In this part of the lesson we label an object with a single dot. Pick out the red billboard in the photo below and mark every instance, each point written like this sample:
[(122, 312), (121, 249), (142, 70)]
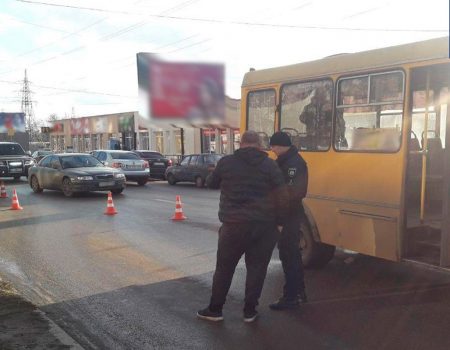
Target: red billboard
[(182, 93)]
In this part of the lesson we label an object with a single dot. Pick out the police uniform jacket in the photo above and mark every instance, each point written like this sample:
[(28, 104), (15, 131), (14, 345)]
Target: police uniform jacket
[(295, 172)]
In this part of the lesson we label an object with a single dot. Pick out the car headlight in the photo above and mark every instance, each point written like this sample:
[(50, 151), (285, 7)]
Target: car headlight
[(29, 162), (119, 176), (83, 178)]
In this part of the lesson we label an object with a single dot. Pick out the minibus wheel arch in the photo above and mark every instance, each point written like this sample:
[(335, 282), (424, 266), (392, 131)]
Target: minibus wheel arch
[(315, 254)]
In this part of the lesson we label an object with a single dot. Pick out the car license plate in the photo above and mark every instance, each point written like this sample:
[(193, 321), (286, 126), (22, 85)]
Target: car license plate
[(15, 170), (106, 184), (157, 163), (132, 167)]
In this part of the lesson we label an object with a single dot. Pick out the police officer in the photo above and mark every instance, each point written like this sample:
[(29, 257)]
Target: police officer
[(295, 173)]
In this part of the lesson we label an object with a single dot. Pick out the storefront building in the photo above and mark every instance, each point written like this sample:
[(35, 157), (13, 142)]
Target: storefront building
[(128, 131)]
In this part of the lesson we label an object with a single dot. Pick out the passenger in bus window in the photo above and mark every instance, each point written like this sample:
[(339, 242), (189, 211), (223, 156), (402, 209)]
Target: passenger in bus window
[(316, 116), (295, 172)]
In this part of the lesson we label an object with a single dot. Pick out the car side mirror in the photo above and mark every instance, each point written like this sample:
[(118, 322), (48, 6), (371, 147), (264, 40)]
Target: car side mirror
[(28, 153)]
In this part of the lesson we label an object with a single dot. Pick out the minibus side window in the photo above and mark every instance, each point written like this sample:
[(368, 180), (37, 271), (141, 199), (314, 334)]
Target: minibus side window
[(306, 111), (261, 106), (369, 113)]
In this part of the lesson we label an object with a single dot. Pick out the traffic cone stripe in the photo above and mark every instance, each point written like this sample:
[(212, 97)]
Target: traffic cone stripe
[(3, 193), (15, 202), (110, 210)]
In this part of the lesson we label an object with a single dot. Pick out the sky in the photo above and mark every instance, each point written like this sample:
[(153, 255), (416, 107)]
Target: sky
[(80, 55)]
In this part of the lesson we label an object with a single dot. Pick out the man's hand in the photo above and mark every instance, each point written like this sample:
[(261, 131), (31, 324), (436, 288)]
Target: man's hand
[(280, 228)]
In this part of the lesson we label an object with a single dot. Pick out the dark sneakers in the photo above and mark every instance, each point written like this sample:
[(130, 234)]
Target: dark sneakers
[(207, 314), (250, 315), (285, 304)]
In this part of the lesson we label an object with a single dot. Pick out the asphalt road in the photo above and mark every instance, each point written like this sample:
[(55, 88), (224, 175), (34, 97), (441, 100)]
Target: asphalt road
[(136, 280)]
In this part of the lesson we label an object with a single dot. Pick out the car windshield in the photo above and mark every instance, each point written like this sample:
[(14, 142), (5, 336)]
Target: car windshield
[(151, 155), (44, 153), (11, 150), (212, 158), (79, 161), (124, 155)]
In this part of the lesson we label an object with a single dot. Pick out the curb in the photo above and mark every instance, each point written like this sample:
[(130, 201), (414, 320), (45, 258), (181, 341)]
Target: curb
[(59, 333)]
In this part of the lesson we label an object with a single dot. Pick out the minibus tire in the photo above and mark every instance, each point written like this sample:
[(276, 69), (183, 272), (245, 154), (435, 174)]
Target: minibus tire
[(315, 254)]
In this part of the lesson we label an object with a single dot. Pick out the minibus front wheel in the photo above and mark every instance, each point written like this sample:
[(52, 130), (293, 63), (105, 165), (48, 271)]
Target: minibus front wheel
[(314, 254)]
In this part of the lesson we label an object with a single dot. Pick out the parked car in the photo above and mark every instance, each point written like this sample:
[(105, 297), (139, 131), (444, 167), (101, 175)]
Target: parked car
[(157, 162), (38, 155), (134, 168), (193, 168), (14, 161), (74, 172)]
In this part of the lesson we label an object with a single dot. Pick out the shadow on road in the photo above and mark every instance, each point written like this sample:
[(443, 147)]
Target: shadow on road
[(369, 304), (38, 220)]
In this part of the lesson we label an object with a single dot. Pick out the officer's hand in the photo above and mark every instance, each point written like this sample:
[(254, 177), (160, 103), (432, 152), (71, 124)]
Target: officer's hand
[(280, 228)]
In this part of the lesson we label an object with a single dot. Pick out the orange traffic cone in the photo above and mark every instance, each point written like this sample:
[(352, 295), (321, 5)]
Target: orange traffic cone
[(3, 193), (110, 210), (15, 202), (178, 216)]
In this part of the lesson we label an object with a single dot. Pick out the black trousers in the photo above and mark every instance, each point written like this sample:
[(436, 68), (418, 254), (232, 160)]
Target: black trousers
[(291, 257), (254, 239)]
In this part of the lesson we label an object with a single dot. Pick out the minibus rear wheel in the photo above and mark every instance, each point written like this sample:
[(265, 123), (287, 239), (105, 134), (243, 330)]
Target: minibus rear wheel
[(314, 254)]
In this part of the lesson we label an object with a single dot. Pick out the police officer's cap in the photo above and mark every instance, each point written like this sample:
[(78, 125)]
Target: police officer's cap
[(280, 138)]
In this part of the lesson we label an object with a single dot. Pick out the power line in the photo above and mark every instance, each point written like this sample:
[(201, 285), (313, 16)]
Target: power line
[(38, 25), (218, 21), (190, 45), (103, 38), (70, 90), (62, 38)]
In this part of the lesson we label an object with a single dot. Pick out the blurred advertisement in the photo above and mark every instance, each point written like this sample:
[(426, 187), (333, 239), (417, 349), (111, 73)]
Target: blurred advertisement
[(181, 94), (79, 126), (57, 127), (126, 124), (12, 121)]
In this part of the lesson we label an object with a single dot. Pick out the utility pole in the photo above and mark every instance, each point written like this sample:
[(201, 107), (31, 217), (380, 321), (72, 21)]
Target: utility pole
[(27, 109), (182, 142)]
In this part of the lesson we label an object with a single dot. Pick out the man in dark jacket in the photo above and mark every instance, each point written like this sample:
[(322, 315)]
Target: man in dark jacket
[(295, 172), (251, 202)]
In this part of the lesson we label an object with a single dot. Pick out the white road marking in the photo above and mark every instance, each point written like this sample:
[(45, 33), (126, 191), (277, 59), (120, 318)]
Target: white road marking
[(163, 200)]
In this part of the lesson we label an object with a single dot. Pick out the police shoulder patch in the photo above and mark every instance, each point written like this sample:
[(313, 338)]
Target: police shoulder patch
[(292, 172)]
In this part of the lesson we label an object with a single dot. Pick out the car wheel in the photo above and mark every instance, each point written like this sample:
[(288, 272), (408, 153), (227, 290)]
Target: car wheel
[(117, 191), (171, 179), (35, 185), (142, 182), (199, 182), (67, 187)]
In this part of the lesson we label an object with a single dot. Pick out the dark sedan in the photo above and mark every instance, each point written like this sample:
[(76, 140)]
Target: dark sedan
[(71, 173), (157, 162), (193, 168)]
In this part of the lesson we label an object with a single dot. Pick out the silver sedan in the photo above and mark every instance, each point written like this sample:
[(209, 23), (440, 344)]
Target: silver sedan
[(134, 168)]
